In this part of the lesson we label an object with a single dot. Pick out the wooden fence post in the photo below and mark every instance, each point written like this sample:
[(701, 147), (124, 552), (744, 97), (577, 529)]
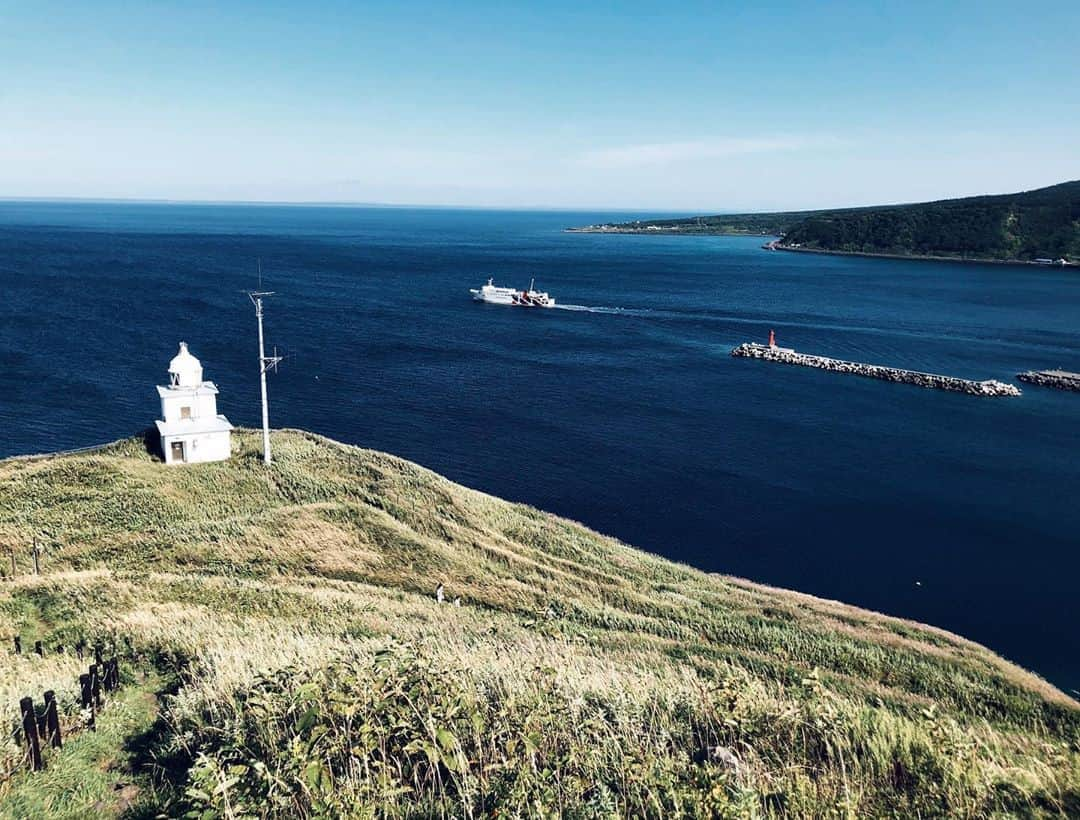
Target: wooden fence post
[(95, 685), (30, 730), (38, 649), (18, 645), (86, 697), (52, 720), (37, 565)]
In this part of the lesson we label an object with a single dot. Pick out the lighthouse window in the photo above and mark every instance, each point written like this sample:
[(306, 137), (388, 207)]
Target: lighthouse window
[(185, 412)]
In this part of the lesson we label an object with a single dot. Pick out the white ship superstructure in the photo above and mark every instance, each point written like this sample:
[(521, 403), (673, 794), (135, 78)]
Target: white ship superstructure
[(495, 295)]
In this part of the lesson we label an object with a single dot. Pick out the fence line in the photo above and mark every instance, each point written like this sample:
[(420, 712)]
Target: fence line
[(102, 676), (36, 553), (75, 451)]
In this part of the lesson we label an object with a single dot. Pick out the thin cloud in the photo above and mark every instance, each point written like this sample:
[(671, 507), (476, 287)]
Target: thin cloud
[(665, 153)]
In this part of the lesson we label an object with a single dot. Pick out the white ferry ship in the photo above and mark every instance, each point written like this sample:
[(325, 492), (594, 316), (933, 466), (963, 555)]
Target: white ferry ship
[(509, 296)]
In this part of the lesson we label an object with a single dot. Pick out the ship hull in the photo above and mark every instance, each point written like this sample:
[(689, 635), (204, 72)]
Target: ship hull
[(514, 298)]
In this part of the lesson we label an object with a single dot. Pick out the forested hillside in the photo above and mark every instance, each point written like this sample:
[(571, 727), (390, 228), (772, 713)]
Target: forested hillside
[(1040, 224), (1025, 226)]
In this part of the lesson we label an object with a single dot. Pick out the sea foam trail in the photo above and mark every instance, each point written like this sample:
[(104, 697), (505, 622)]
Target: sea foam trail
[(600, 309)]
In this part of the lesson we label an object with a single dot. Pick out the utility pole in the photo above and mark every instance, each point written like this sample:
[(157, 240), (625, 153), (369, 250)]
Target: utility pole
[(265, 363)]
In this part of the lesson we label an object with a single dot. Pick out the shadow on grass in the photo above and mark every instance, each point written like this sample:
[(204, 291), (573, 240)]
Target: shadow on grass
[(152, 442)]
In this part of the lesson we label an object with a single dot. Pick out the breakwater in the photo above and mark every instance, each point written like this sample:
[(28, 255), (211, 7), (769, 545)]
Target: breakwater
[(786, 355), (1058, 379)]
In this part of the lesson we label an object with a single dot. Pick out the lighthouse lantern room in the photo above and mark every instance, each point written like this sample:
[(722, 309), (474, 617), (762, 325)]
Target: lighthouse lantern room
[(191, 430)]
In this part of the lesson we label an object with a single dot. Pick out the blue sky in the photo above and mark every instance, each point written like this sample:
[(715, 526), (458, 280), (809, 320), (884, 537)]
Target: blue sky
[(648, 106)]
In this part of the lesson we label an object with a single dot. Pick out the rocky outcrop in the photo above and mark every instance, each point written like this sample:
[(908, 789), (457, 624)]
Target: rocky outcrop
[(1058, 379), (786, 355)]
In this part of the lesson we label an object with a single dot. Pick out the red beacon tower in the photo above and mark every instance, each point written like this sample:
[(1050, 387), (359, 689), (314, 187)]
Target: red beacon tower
[(772, 338)]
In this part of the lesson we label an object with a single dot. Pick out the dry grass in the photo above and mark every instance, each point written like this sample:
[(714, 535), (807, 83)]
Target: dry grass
[(578, 672)]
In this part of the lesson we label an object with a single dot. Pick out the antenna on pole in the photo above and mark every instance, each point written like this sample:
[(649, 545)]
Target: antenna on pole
[(265, 362)]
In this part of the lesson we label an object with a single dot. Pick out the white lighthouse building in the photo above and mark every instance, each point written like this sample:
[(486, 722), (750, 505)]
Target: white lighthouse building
[(192, 430)]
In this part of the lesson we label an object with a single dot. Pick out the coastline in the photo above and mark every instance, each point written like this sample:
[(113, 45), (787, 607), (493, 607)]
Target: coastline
[(978, 260), (776, 246), (665, 232)]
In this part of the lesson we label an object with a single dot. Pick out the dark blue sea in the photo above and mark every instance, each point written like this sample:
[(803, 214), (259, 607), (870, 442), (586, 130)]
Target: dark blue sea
[(626, 413)]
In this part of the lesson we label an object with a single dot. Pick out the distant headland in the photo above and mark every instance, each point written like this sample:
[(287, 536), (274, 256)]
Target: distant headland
[(1032, 227)]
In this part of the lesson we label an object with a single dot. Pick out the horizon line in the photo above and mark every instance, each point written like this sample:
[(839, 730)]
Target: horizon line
[(526, 208), (349, 204)]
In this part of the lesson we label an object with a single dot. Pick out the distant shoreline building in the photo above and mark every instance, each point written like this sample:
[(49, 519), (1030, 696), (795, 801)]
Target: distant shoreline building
[(192, 430)]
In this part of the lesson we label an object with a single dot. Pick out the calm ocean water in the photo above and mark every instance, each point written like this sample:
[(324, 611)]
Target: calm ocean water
[(630, 416)]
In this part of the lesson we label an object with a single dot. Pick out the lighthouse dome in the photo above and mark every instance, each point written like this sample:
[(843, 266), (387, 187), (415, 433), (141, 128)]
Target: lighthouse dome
[(184, 369)]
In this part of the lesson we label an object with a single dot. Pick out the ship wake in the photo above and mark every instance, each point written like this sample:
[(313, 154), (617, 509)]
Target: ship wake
[(602, 309)]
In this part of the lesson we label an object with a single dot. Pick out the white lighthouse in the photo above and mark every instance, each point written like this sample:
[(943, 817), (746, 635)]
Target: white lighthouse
[(192, 430)]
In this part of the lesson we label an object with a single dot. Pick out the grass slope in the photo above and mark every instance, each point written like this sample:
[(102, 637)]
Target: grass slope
[(92, 775), (578, 677)]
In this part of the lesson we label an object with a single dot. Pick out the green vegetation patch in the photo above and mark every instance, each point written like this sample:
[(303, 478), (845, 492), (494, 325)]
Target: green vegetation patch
[(565, 673), (1039, 224)]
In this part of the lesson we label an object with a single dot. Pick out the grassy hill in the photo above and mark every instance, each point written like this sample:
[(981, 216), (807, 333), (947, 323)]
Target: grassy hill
[(1044, 223), (315, 673)]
